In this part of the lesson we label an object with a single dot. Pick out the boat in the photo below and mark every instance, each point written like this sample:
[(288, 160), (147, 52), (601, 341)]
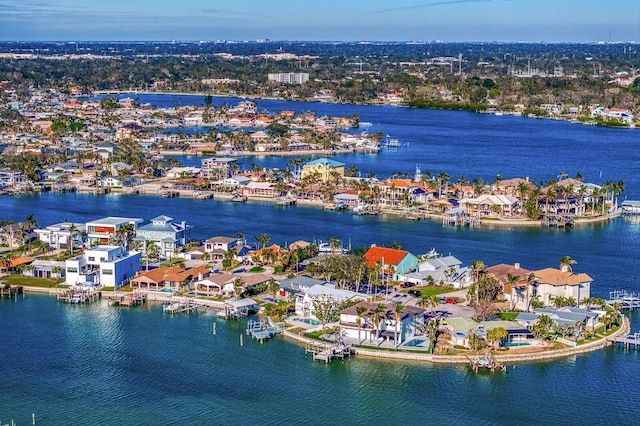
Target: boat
[(325, 248)]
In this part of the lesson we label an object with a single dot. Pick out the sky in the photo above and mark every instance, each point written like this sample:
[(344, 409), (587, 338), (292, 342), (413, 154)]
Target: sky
[(344, 20)]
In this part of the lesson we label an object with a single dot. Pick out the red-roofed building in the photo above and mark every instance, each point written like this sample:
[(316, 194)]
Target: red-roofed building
[(392, 261)]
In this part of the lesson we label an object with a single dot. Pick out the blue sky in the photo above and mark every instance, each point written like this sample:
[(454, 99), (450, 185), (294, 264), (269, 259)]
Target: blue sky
[(447, 20)]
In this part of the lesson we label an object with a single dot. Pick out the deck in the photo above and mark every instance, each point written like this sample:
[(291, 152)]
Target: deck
[(626, 300), (326, 352), (10, 291), (628, 342), (179, 305), (77, 296), (130, 299)]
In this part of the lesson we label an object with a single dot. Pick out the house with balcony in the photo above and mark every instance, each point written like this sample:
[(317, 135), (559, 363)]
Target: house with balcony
[(403, 325), (304, 300), (102, 230), (554, 282), (61, 235), (102, 266), (324, 168), (218, 167), (487, 205), (166, 234)]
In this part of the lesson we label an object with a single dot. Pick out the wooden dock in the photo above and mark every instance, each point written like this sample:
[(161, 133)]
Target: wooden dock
[(325, 352), (285, 201), (10, 291), (628, 342), (78, 296), (179, 305), (260, 330), (130, 299)]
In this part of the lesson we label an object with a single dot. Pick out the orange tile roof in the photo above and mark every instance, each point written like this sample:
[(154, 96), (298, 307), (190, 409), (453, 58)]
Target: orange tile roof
[(390, 256), (17, 261), (554, 276)]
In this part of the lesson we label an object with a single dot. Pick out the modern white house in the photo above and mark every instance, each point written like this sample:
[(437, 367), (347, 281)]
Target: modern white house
[(61, 235), (102, 266), (403, 325), (102, 230)]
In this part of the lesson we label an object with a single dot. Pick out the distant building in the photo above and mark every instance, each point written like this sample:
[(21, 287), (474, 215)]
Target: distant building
[(324, 167), (289, 77), (218, 167)]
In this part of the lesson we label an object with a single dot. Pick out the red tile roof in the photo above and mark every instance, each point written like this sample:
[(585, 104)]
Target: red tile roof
[(390, 256)]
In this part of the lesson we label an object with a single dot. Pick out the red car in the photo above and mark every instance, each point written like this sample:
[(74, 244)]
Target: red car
[(452, 300)]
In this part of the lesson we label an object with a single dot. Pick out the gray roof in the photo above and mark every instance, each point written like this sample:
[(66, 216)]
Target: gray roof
[(297, 282)]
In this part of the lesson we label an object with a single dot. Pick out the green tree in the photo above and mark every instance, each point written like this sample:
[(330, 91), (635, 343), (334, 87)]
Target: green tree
[(497, 335)]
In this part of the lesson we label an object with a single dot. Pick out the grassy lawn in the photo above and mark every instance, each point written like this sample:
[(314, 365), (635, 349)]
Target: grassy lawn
[(430, 290), (17, 280), (507, 316)]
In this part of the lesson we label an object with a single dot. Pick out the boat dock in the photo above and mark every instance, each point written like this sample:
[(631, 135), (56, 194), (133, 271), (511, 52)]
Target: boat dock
[(285, 201), (630, 207), (629, 341), (178, 305), (326, 353), (130, 299), (625, 299), (10, 291), (260, 330), (77, 296), (557, 221)]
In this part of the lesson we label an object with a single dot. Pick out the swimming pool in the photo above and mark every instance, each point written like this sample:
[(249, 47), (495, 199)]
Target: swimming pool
[(415, 343), (196, 293), (167, 290), (310, 321), (516, 344)]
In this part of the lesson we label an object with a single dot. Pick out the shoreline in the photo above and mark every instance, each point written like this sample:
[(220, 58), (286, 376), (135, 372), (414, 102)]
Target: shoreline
[(534, 357), (549, 355)]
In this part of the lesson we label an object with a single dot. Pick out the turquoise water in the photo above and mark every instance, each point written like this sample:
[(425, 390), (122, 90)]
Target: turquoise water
[(168, 290), (516, 344), (100, 365), (96, 364), (310, 321)]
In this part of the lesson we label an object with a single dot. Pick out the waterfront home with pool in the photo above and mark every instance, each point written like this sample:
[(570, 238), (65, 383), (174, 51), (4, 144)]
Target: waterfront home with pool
[(391, 261), (102, 266), (378, 325), (306, 299), (165, 233)]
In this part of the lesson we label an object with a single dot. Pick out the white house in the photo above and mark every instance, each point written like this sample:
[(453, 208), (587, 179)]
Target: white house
[(103, 229), (553, 282), (60, 235), (166, 234), (304, 305), (404, 324), (102, 266)]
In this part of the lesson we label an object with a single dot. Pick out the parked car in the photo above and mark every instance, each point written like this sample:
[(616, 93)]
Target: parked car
[(451, 300), (415, 293)]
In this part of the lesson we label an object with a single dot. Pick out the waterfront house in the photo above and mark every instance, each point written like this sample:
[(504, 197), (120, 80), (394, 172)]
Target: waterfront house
[(487, 205), (304, 300), (387, 326), (445, 270), (391, 261), (167, 235), (60, 235), (47, 269), (553, 282), (461, 328), (574, 318), (218, 246), (324, 168), (102, 266), (218, 167), (298, 284), (16, 264), (259, 189), (516, 283), (168, 277), (102, 230)]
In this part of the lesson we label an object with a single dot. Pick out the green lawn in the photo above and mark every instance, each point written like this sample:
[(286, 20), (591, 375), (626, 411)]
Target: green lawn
[(430, 290), (17, 280), (507, 316)]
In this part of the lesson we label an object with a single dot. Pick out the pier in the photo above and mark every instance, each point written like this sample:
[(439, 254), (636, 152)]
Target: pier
[(285, 201), (78, 295), (325, 352), (10, 291), (129, 299), (179, 305), (625, 299), (628, 342), (260, 330), (630, 207), (557, 221)]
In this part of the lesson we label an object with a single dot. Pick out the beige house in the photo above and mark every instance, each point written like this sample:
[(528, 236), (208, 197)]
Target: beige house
[(324, 167), (552, 282)]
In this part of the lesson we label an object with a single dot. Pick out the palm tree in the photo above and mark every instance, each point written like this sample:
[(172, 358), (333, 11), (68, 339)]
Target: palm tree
[(379, 314), (360, 312), (566, 262), (150, 250), (512, 280), (72, 230), (497, 335), (398, 311), (477, 266)]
